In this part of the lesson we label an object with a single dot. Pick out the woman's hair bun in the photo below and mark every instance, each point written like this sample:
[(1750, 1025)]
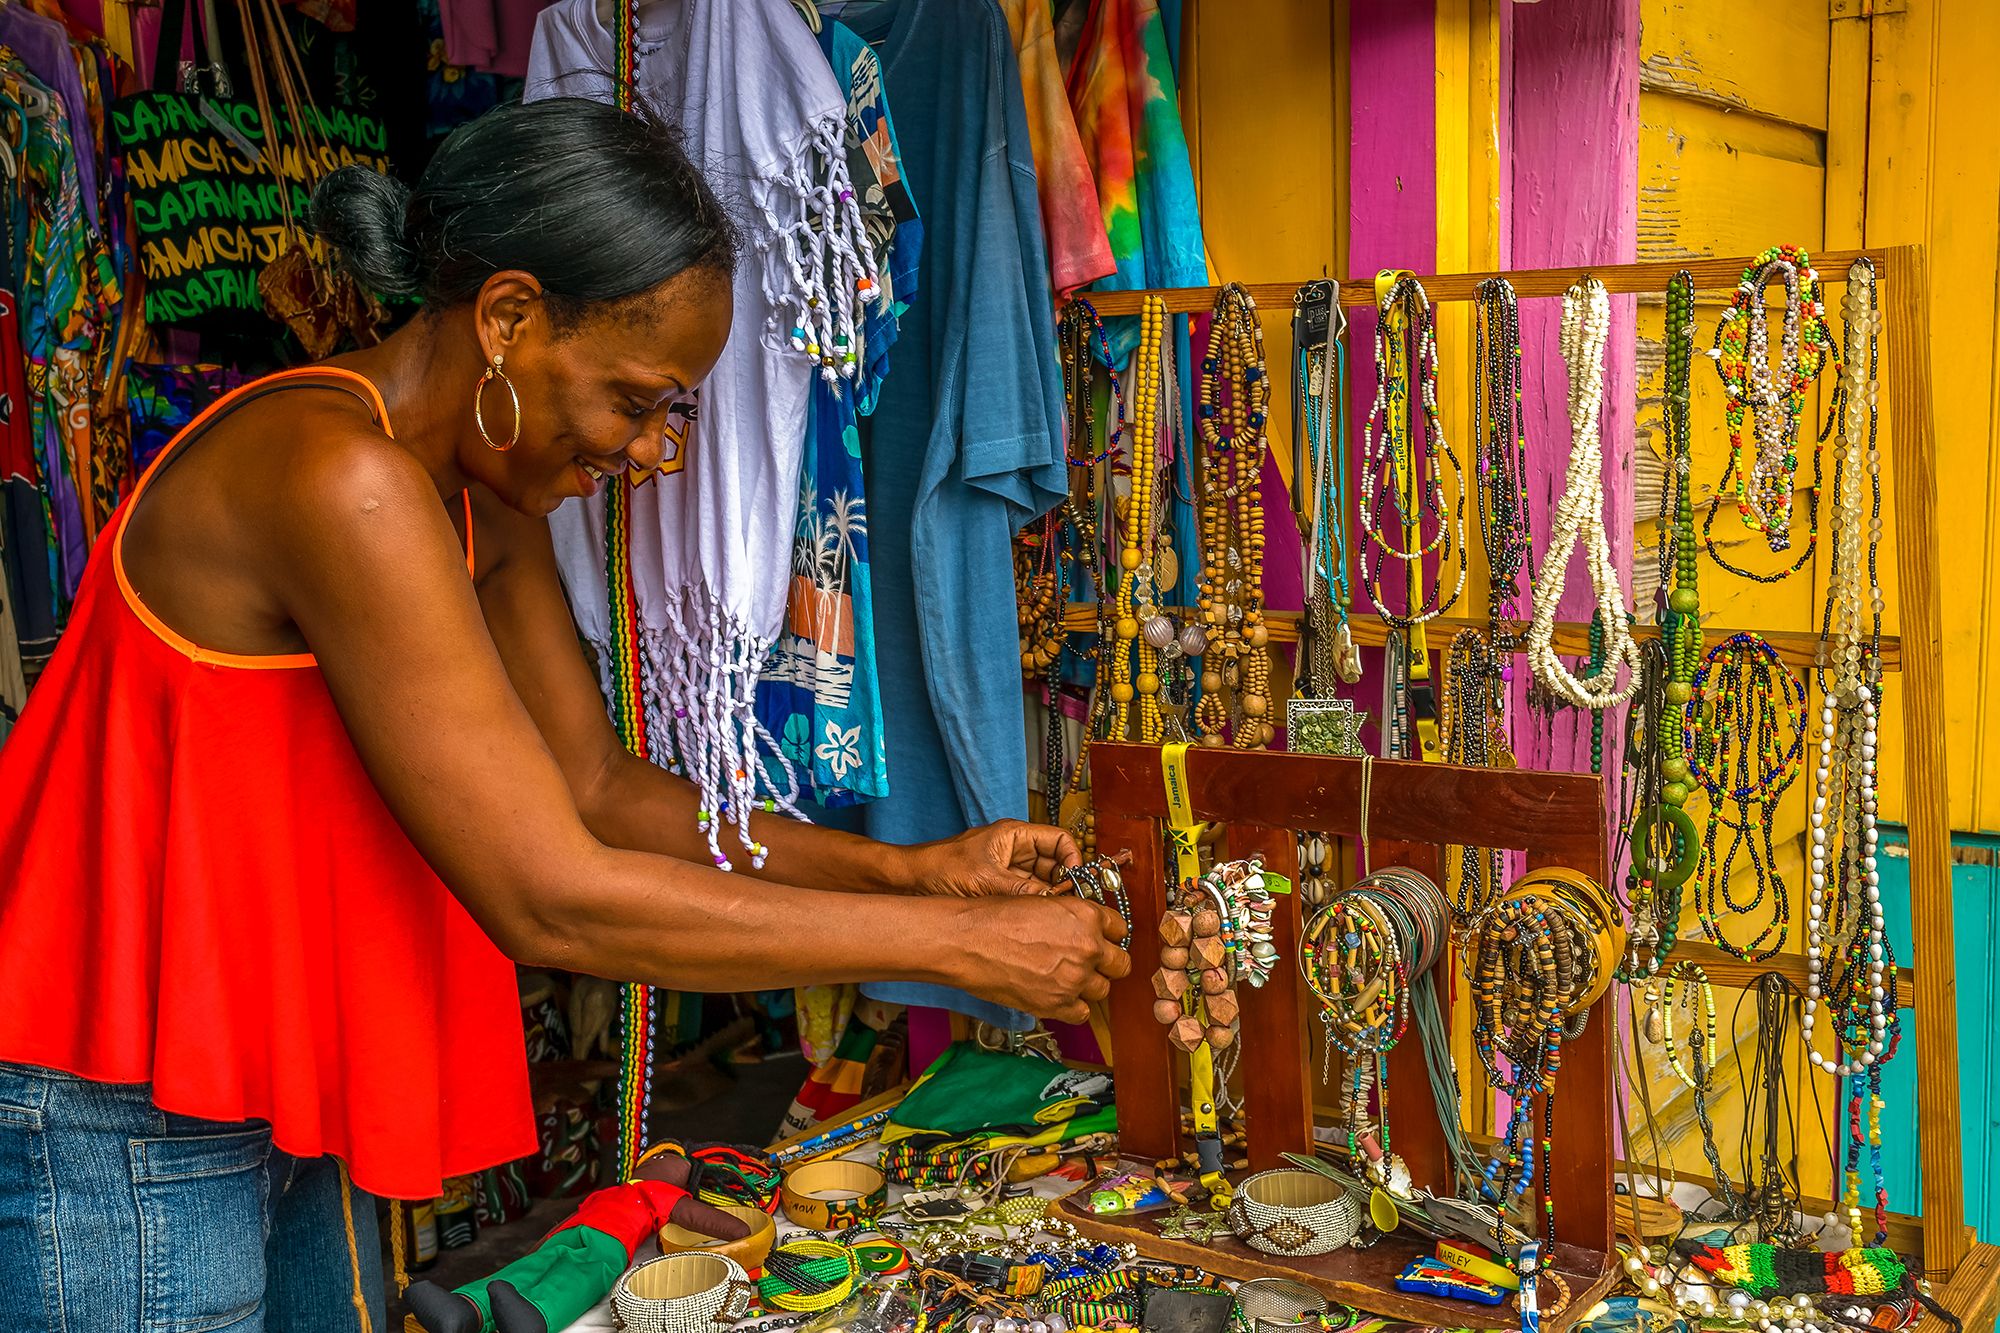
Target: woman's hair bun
[(364, 215)]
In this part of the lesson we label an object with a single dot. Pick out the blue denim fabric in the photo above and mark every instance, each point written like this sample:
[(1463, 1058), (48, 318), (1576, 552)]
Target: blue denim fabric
[(117, 1217)]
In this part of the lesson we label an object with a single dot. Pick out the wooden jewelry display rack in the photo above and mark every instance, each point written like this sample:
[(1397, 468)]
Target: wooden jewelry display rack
[(1415, 810), (1558, 820)]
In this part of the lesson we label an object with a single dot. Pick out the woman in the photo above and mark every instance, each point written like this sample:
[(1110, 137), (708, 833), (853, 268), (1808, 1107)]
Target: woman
[(319, 755)]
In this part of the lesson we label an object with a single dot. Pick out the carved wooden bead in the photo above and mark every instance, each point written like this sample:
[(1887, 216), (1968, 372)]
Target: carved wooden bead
[(1176, 928), (1206, 953), (1207, 922), (1221, 1038), (1168, 1012), (1174, 957), (1224, 1007), (1170, 985), (1214, 981), (1186, 1033)]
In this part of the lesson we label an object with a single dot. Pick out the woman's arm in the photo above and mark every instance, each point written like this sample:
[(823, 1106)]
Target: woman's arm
[(368, 567), (633, 803)]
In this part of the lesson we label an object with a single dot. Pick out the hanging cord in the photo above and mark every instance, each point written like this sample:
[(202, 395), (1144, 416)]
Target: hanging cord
[(1770, 1191), (354, 1250)]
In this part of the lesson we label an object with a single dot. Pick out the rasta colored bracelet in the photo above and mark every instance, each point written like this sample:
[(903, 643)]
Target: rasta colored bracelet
[(834, 1195)]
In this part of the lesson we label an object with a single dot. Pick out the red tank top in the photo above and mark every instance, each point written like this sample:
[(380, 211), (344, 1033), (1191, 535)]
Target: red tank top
[(204, 891)]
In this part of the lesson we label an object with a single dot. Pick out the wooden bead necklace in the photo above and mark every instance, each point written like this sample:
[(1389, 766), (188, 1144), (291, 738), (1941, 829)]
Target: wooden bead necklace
[(1744, 735), (1579, 516), (1762, 465), (1235, 393), (1845, 903), (1400, 484), (1138, 536)]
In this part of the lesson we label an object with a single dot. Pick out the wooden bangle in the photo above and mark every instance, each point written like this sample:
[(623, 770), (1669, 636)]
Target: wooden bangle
[(834, 1194)]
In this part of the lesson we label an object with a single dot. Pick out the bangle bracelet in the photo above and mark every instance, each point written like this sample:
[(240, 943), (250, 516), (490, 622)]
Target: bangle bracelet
[(834, 1195), (1293, 1212), (690, 1292)]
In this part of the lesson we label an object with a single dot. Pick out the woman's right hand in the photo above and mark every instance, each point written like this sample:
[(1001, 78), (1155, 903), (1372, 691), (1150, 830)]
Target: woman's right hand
[(1051, 957)]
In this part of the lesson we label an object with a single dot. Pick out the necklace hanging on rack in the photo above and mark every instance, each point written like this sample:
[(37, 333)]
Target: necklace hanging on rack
[(1845, 917), (1138, 511), (1235, 395), (1500, 459), (1579, 517), (1665, 845), (1319, 380), (1745, 733), (1771, 1194), (1401, 484), (1466, 725), (1764, 463)]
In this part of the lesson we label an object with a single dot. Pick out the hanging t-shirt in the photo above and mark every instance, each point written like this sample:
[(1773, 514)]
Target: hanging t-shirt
[(43, 46), (490, 35), (966, 444), (1079, 251)]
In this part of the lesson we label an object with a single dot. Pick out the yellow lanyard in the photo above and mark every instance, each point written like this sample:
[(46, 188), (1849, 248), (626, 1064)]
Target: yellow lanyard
[(1186, 831), (1401, 369)]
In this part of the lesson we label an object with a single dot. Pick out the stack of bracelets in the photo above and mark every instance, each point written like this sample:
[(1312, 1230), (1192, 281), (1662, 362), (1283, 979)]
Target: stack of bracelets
[(1097, 880), (1362, 955), (1538, 960)]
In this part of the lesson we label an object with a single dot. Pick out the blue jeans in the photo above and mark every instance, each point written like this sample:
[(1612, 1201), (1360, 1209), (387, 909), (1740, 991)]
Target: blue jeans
[(118, 1217)]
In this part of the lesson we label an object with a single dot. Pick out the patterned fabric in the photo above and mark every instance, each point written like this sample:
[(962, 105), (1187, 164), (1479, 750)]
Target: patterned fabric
[(163, 399), (1079, 251), (819, 694), (1123, 90)]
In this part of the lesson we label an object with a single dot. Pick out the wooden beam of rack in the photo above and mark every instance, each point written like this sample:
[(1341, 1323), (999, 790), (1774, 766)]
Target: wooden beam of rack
[(1528, 283), (1571, 636)]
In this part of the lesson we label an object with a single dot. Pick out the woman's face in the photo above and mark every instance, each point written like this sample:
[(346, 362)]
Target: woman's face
[(600, 398)]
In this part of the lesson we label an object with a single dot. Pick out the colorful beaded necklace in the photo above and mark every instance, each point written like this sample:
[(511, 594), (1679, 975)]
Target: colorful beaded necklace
[(1400, 484), (1763, 463), (1500, 458), (1319, 387)]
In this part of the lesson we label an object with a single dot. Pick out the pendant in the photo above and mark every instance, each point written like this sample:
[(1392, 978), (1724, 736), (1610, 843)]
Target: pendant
[(1166, 564), (1075, 807), (1346, 656)]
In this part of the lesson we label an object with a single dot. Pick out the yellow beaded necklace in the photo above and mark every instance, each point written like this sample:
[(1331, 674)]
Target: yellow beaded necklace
[(1138, 514)]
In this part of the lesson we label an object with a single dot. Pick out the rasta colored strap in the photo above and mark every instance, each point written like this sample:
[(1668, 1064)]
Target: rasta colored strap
[(628, 708)]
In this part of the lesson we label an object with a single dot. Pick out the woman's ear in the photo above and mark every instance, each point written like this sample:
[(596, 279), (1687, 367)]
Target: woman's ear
[(508, 312)]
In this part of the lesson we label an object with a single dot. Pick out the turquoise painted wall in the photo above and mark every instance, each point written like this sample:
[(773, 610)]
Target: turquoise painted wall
[(1975, 884)]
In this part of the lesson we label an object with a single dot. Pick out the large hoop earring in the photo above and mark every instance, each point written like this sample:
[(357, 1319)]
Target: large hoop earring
[(494, 372)]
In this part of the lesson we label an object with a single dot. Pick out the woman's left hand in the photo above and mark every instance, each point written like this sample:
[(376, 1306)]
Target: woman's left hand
[(1010, 857)]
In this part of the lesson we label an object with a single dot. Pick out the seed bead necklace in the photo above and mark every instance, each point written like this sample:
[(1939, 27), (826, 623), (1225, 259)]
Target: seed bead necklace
[(1579, 516), (1846, 896), (1762, 464), (1319, 385), (1401, 485), (1500, 458), (1744, 736), (1235, 395), (1466, 728)]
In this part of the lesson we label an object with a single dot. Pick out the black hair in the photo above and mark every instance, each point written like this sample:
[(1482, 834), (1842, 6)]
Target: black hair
[(599, 204)]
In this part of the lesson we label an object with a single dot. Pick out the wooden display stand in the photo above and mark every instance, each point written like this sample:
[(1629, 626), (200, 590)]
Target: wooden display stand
[(1415, 810), (1964, 1271)]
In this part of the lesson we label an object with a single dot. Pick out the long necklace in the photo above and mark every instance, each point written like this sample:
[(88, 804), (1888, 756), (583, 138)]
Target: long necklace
[(1319, 380), (1500, 458), (1846, 888), (1579, 516), (1665, 845), (1235, 395), (1745, 732), (1771, 399), (1138, 537), (1771, 1190), (1396, 474)]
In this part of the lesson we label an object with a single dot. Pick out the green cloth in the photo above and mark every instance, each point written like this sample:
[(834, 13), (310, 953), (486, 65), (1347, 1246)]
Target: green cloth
[(975, 1093), (564, 1277)]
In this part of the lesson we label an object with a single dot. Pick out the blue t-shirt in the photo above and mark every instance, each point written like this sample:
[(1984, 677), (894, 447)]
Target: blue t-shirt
[(966, 443)]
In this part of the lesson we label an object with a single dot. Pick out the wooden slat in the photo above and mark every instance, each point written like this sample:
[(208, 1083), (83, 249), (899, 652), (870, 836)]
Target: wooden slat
[(1529, 284), (1418, 802), (1905, 298), (1149, 1119), (1572, 637), (1275, 1096), (1974, 1288), (1688, 50), (1725, 969)]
